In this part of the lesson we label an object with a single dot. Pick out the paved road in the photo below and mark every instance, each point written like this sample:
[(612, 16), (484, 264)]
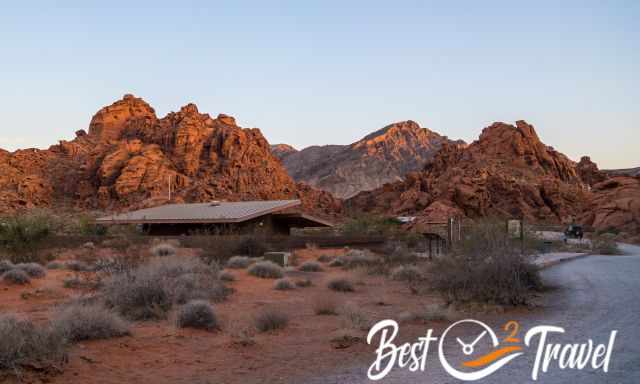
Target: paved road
[(594, 295)]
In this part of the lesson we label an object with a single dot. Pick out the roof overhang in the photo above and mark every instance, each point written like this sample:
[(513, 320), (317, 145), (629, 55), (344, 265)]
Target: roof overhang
[(305, 217)]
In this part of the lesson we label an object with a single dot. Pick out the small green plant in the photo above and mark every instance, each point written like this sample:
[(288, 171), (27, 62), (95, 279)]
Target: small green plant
[(23, 235)]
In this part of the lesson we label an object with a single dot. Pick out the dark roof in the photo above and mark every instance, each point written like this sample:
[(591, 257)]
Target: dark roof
[(213, 212)]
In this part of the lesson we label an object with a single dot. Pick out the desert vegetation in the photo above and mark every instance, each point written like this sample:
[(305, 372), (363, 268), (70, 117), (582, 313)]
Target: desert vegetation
[(487, 266), (80, 321), (266, 270), (283, 285), (341, 284), (271, 319), (197, 314)]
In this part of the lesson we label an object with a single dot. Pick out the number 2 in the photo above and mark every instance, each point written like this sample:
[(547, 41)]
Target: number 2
[(511, 328)]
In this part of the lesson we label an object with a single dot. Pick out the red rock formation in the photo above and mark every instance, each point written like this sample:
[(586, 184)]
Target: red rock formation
[(507, 172), (130, 158), (589, 172), (615, 205)]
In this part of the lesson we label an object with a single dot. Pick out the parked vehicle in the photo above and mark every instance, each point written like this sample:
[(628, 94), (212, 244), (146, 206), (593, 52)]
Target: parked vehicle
[(574, 232)]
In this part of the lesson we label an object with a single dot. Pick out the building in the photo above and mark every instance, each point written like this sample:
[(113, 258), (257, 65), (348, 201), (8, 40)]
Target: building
[(269, 217)]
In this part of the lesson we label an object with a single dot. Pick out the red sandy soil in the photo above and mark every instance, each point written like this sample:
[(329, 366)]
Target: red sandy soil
[(158, 352)]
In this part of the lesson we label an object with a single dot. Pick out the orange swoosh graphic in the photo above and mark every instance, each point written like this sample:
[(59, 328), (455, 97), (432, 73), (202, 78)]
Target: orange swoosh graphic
[(491, 357)]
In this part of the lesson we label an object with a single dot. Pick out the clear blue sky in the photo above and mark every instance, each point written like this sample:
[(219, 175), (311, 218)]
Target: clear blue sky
[(324, 72)]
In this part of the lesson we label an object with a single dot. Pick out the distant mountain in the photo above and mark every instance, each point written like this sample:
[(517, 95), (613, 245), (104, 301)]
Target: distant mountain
[(383, 156), (623, 172)]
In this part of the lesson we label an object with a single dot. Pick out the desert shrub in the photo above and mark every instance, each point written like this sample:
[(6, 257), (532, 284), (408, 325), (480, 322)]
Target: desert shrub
[(163, 249), (266, 270), (239, 262), (197, 314), (150, 290), (16, 277), (72, 282), (368, 225), (77, 266), (271, 319), (251, 245), (304, 283), (409, 273), (325, 305), (355, 258), (32, 269), (55, 265), (78, 322), (486, 266), (310, 266), (6, 265), (226, 276), (397, 253), (25, 345), (324, 259), (355, 317), (23, 235), (87, 226), (283, 285), (341, 284), (605, 244)]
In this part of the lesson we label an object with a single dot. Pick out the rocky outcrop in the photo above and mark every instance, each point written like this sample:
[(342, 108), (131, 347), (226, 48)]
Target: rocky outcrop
[(614, 206), (507, 172), (383, 156), (589, 172), (282, 150), (131, 159)]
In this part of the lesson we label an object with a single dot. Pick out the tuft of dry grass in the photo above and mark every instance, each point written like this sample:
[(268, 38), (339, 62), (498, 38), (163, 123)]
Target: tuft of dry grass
[(310, 266), (271, 319), (197, 314), (355, 317), (78, 322), (341, 284), (163, 249), (239, 262), (266, 270), (304, 283), (325, 305), (226, 276), (408, 273), (16, 277), (34, 270), (283, 285), (26, 345)]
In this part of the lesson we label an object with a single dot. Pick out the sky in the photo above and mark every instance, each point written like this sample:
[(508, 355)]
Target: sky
[(330, 72)]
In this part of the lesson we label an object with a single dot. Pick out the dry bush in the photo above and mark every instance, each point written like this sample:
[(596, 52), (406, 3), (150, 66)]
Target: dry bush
[(435, 312), (34, 270), (226, 276), (16, 277), (197, 314), (55, 265), (150, 290), (24, 346), (77, 266), (6, 265), (239, 262), (251, 245), (355, 258), (355, 317), (163, 249), (304, 283), (605, 244), (23, 235), (310, 266), (325, 258), (271, 319), (397, 253), (266, 270), (78, 322), (486, 266), (283, 285), (408, 273), (341, 284), (72, 282), (325, 305)]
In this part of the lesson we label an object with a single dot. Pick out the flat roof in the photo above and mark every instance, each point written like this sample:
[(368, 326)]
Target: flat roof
[(211, 212)]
